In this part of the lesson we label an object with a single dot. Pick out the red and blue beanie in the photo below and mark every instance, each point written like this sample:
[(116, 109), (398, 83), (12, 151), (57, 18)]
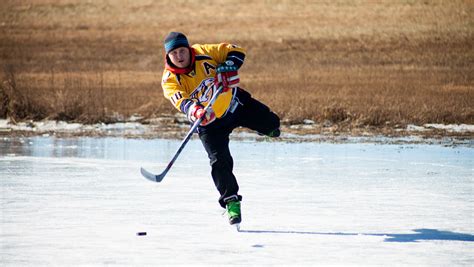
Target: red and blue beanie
[(175, 40)]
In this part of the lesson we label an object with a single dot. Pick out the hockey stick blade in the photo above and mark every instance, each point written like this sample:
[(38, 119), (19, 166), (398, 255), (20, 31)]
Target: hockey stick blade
[(152, 177)]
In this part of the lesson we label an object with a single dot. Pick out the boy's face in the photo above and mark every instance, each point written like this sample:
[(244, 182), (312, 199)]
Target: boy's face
[(180, 57)]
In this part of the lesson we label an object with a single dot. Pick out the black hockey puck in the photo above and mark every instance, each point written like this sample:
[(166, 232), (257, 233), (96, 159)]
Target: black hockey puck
[(141, 233)]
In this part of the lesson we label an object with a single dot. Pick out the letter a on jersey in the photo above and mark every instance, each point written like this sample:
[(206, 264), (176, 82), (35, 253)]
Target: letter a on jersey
[(208, 67)]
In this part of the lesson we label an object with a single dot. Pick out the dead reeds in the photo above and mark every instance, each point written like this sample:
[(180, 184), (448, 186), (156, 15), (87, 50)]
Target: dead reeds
[(355, 63)]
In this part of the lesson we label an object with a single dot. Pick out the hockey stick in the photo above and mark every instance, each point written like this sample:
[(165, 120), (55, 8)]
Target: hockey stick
[(159, 177)]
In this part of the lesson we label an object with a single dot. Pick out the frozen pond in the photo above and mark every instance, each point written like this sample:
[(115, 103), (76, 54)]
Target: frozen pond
[(81, 201)]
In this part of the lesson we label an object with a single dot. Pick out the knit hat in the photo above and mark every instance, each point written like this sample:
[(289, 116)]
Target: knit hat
[(175, 40)]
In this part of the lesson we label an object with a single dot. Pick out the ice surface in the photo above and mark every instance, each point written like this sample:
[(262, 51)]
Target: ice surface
[(81, 201)]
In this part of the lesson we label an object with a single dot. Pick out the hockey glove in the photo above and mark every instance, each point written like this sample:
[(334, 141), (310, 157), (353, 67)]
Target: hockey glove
[(227, 75), (196, 111)]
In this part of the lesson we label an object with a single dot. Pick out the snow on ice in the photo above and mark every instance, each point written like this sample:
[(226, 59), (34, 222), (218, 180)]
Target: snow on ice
[(458, 128), (133, 127)]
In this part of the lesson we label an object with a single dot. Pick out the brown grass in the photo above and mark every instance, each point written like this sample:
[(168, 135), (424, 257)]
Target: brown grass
[(356, 63)]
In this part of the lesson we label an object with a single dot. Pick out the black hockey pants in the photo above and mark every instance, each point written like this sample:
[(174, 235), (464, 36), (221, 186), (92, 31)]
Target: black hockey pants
[(251, 114)]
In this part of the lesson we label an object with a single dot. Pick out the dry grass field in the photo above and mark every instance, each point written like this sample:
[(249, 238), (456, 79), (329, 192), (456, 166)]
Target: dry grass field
[(354, 63)]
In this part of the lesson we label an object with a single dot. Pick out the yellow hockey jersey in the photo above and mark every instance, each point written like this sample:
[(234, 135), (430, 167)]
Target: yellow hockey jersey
[(198, 84)]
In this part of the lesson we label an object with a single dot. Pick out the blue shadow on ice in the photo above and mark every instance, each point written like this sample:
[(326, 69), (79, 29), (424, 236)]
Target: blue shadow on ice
[(418, 235), (429, 234)]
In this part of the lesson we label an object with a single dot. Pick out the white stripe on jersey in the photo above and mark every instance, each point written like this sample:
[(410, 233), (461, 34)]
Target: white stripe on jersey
[(236, 58)]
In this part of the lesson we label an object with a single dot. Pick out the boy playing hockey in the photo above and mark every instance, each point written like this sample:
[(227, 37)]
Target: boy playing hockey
[(188, 82)]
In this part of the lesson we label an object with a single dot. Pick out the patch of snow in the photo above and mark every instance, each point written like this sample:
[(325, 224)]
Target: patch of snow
[(458, 128), (171, 126), (415, 128), (65, 127), (46, 126), (135, 117), (4, 123), (302, 126)]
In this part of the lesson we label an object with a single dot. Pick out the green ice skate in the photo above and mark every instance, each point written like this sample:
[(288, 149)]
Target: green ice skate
[(233, 210)]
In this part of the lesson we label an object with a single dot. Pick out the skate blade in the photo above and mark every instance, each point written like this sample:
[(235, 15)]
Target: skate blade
[(237, 226)]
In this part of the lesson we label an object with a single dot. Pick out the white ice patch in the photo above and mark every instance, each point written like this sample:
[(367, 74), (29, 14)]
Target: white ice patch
[(458, 128), (65, 127), (415, 128)]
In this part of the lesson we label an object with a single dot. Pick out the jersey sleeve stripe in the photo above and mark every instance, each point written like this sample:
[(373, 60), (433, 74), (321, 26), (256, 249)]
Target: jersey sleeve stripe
[(202, 57), (236, 57)]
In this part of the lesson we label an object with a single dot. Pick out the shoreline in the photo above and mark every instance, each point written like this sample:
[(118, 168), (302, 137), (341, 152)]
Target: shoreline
[(176, 127)]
